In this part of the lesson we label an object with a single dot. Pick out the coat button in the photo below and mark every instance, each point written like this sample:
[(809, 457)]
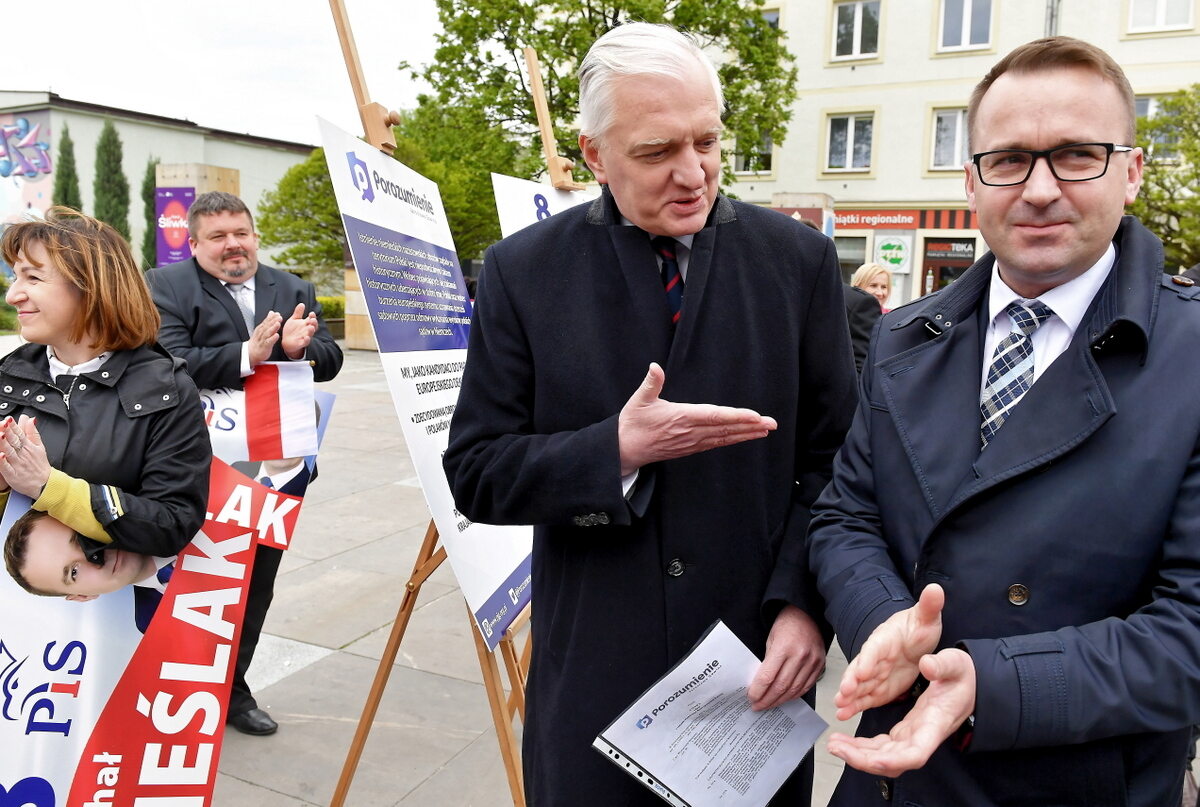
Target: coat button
[(4, 405), (25, 392), (1180, 280), (885, 789), (1018, 594), (83, 386), (602, 518), (166, 397), (137, 407), (104, 374), (8, 387), (675, 568), (40, 398)]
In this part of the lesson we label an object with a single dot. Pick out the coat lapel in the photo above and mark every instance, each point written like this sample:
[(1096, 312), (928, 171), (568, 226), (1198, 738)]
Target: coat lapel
[(644, 284), (932, 394), (216, 290)]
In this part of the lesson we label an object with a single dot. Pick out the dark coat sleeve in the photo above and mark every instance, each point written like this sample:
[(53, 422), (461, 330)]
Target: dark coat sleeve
[(862, 312), (827, 403), (211, 364), (501, 471)]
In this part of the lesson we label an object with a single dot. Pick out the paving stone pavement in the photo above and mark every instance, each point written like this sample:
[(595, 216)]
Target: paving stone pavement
[(338, 590)]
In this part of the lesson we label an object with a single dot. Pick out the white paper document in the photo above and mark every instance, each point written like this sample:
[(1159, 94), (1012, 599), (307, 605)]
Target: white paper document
[(693, 739)]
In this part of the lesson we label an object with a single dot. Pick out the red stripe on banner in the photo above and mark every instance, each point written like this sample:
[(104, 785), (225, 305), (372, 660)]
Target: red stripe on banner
[(264, 432)]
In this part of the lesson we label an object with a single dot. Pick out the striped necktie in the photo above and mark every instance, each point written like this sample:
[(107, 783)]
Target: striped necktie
[(245, 303), (664, 247), (1010, 374)]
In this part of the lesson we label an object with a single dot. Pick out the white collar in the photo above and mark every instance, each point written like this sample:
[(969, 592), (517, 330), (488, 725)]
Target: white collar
[(58, 368), (1069, 302)]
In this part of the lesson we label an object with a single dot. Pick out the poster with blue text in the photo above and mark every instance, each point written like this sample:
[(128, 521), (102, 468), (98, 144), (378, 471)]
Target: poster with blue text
[(417, 302)]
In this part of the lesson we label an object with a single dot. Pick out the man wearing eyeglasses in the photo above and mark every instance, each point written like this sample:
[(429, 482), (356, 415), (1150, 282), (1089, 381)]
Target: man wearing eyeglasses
[(1010, 546)]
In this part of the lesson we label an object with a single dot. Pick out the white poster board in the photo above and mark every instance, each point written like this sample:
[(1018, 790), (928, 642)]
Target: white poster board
[(417, 301), (522, 202)]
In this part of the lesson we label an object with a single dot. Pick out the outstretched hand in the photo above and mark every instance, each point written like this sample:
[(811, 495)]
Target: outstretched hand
[(937, 714), (652, 429), (886, 667)]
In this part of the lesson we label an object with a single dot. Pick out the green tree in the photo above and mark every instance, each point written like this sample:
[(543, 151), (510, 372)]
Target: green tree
[(1169, 203), (302, 216), (479, 63), (149, 238), (111, 188), (66, 177), (457, 148)]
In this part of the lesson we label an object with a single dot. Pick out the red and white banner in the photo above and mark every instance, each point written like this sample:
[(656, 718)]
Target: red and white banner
[(273, 418)]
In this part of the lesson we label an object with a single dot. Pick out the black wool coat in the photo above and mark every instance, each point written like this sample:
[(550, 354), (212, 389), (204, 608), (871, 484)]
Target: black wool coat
[(570, 312)]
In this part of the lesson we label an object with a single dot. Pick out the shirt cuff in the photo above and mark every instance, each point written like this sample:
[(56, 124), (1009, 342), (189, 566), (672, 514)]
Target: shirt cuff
[(246, 368), (627, 483)]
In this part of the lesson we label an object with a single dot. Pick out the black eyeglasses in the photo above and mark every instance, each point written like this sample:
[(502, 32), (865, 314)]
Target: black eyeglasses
[(1074, 162)]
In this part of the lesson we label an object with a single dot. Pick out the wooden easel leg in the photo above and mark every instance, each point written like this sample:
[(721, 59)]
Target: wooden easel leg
[(510, 752), (427, 562)]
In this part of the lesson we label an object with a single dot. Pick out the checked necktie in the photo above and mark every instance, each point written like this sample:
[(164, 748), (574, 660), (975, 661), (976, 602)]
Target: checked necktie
[(1010, 374), (664, 247)]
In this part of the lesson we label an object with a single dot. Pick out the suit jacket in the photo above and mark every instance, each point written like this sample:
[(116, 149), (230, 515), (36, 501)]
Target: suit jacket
[(570, 312), (201, 322), (1069, 549), (862, 312)]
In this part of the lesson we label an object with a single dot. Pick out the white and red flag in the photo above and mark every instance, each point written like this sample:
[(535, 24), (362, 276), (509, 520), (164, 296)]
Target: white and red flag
[(273, 418)]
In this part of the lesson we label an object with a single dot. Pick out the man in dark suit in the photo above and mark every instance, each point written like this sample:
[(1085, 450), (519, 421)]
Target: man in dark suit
[(862, 312), (662, 443), (1010, 546), (225, 313)]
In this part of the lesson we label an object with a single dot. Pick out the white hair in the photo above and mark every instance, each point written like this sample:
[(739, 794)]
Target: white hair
[(632, 49)]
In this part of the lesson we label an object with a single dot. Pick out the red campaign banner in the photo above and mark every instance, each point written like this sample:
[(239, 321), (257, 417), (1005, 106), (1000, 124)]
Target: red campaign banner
[(158, 739)]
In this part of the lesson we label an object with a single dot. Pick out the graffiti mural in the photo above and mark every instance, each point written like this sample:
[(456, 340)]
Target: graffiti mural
[(23, 151), (26, 166)]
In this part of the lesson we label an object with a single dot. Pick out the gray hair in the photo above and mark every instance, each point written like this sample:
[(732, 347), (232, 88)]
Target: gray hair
[(632, 49), (212, 203)]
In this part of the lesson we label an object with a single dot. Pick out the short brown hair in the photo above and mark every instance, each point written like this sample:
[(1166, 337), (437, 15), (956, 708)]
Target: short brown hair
[(1050, 53), (96, 259), (212, 203), (15, 547)]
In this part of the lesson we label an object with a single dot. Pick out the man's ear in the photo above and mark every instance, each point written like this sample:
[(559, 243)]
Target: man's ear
[(590, 149), (81, 597)]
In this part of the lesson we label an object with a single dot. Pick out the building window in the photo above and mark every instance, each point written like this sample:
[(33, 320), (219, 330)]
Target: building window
[(745, 161), (856, 32), (1159, 15), (850, 142), (950, 138), (1161, 148), (771, 15), (965, 24)]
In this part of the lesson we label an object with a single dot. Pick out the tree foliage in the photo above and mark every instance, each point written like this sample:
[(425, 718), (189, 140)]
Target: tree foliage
[(1169, 203), (66, 176), (301, 214), (457, 148), (479, 63), (149, 237), (110, 187)]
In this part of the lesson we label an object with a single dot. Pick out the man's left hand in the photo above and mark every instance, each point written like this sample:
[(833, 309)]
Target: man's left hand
[(298, 331), (937, 714), (794, 659)]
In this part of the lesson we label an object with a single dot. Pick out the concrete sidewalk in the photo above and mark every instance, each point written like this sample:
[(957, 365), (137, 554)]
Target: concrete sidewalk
[(337, 594)]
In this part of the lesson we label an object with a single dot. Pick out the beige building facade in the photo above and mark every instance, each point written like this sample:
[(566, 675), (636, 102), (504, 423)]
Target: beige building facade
[(878, 127)]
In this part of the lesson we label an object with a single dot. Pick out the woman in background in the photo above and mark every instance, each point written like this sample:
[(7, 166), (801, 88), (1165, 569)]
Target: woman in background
[(100, 426), (876, 280)]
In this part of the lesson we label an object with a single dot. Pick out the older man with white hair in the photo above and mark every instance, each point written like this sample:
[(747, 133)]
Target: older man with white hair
[(658, 381)]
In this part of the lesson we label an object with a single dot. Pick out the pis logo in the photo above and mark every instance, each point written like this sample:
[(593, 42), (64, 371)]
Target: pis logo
[(37, 705), (645, 721), (362, 177)]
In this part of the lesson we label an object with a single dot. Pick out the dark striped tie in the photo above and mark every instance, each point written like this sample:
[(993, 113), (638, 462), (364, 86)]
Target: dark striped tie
[(664, 246)]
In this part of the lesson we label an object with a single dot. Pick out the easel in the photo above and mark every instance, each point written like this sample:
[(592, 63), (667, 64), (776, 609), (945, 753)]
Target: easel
[(377, 122)]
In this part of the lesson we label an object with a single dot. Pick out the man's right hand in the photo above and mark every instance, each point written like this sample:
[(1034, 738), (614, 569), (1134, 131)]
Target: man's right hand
[(263, 340), (886, 666), (651, 429)]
